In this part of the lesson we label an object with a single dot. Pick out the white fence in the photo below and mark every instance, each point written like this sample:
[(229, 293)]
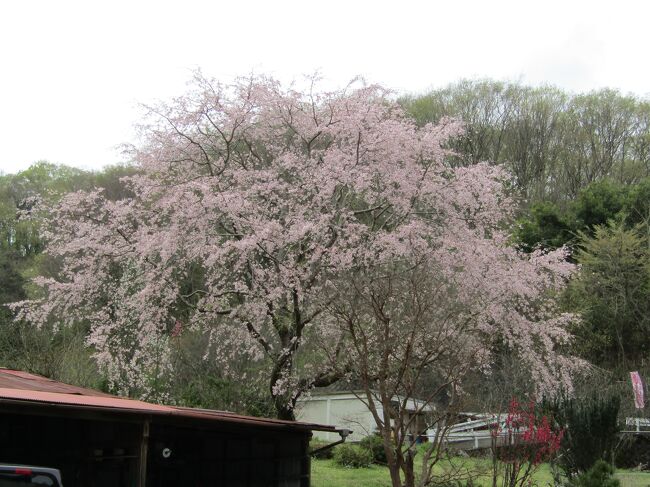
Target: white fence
[(476, 433), (638, 424)]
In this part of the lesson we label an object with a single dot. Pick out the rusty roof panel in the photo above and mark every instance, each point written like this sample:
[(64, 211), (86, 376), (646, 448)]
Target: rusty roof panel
[(16, 379), (16, 386), (79, 400)]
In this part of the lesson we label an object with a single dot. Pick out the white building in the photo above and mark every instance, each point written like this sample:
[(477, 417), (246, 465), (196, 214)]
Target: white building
[(346, 409)]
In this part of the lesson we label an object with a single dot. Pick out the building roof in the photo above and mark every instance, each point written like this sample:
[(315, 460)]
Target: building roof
[(18, 387), (17, 379)]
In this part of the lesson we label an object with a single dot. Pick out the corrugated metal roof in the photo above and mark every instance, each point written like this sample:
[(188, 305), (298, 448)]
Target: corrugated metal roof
[(16, 379), (79, 400), (16, 386)]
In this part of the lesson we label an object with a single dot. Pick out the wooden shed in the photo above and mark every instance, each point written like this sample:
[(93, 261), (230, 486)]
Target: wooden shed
[(99, 440)]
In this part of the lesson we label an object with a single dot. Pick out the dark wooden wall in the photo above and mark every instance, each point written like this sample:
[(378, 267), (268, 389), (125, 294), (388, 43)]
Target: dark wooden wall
[(105, 452)]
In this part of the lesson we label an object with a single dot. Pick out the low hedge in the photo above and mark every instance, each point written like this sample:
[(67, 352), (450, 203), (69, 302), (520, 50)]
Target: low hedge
[(352, 456), (375, 444)]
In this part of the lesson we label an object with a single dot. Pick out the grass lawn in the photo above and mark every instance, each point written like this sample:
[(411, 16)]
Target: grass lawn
[(633, 479), (325, 473)]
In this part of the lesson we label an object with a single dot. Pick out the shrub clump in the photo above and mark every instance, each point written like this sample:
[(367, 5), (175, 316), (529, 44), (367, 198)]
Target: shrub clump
[(375, 445), (352, 456), (600, 475)]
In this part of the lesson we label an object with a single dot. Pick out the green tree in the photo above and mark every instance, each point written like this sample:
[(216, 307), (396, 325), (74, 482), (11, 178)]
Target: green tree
[(545, 226), (591, 430), (612, 292), (554, 143), (11, 286), (550, 225), (598, 203)]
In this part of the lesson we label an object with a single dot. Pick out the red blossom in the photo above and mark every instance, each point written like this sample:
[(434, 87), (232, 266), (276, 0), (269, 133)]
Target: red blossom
[(531, 438)]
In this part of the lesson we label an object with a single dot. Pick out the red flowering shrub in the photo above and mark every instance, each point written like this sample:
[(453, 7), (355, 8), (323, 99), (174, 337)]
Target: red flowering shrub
[(524, 441)]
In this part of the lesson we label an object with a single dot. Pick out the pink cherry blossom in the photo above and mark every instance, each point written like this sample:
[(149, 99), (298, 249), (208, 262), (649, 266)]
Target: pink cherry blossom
[(252, 202)]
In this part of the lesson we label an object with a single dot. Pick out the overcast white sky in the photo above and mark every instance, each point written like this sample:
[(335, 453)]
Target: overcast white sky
[(72, 73)]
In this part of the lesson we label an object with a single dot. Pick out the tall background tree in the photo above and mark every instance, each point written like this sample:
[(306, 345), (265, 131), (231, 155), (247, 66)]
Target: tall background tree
[(555, 143)]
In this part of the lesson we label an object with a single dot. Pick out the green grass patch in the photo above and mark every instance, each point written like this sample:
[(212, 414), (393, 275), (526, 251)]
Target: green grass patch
[(633, 479), (325, 473)]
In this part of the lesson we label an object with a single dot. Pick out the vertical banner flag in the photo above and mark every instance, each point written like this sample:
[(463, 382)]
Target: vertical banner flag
[(637, 386)]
